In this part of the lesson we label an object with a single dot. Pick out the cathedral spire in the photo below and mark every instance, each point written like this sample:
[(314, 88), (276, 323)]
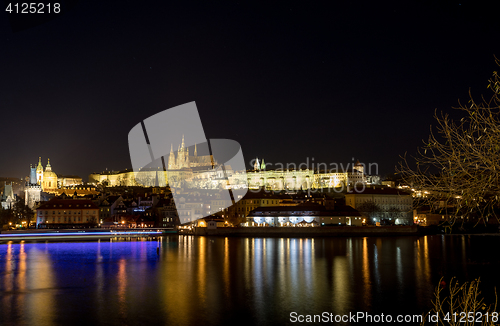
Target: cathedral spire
[(195, 151), (182, 146), (171, 158), (256, 165)]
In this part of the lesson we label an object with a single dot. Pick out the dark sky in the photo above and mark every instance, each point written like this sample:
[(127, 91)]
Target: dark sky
[(330, 80)]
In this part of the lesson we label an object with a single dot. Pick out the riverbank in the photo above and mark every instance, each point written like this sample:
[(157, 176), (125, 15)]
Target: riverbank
[(78, 234), (293, 232)]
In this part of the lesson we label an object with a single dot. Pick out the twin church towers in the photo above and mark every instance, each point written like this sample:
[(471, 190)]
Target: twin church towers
[(40, 179)]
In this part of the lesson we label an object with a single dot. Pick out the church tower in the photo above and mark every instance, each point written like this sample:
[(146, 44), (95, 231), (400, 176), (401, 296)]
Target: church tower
[(256, 165), (39, 172), (171, 159), (32, 190), (183, 156), (359, 167), (32, 179), (178, 159)]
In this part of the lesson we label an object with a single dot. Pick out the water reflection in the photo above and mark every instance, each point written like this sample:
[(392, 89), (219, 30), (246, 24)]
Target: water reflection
[(366, 275), (202, 280), (28, 282)]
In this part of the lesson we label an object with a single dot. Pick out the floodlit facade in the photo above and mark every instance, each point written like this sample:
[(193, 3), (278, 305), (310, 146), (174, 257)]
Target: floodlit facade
[(304, 215), (197, 172), (395, 205), (43, 183), (67, 212)]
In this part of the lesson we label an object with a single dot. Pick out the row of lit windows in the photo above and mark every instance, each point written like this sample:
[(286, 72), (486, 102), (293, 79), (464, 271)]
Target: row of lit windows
[(64, 212), (77, 205), (386, 201), (66, 219), (259, 201)]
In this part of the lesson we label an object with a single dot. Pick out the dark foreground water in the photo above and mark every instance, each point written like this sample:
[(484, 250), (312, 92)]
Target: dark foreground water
[(237, 281)]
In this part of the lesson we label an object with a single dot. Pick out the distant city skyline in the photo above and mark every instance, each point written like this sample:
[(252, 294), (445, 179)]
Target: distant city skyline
[(287, 82)]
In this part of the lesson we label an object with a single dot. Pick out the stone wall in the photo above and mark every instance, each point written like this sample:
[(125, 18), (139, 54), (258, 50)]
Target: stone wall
[(346, 231)]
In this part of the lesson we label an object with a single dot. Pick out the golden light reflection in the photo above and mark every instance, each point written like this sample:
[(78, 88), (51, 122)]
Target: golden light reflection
[(122, 288), (202, 270), (226, 267), (21, 270), (350, 256), (257, 267), (366, 275), (28, 290), (307, 266), (8, 269), (176, 279), (422, 271), (8, 278), (258, 277), (40, 306), (342, 284), (20, 278), (282, 265), (427, 269), (246, 262)]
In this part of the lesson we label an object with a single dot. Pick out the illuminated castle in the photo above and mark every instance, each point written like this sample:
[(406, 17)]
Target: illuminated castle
[(185, 161), (181, 167)]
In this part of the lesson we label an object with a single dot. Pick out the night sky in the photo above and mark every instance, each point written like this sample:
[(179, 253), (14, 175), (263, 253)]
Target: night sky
[(331, 80)]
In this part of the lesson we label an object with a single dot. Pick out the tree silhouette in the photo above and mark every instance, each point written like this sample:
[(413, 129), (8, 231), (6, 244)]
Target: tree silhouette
[(459, 164)]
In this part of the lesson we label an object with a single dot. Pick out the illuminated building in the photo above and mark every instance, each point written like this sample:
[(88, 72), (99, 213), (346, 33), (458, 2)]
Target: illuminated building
[(49, 183), (395, 205), (189, 211), (197, 172), (300, 179), (32, 189), (306, 214), (44, 183), (76, 190), (165, 213), (47, 179), (182, 167), (8, 198), (68, 180), (67, 213), (39, 172), (253, 200)]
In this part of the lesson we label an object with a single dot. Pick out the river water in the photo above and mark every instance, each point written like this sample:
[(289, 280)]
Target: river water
[(187, 280)]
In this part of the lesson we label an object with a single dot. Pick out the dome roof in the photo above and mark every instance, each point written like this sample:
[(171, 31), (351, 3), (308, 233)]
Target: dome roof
[(49, 174), (48, 171)]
